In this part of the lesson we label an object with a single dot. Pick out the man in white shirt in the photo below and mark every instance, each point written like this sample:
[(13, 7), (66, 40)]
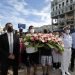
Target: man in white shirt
[(73, 52), (32, 54), (66, 56)]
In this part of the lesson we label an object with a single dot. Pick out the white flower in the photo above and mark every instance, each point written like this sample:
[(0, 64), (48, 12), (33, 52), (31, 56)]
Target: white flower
[(28, 35), (35, 35), (26, 43), (49, 38)]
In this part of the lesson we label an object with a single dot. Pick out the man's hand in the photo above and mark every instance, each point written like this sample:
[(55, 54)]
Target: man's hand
[(11, 56)]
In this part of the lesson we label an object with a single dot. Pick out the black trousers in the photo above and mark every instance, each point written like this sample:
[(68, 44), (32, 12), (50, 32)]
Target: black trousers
[(72, 58), (5, 66)]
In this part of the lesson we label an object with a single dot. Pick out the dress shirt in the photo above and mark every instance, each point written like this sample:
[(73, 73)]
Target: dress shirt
[(10, 40)]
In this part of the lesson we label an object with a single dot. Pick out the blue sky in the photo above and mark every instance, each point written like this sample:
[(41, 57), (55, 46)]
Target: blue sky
[(29, 12)]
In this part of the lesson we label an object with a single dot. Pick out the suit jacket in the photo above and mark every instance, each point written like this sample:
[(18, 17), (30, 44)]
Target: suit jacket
[(4, 46)]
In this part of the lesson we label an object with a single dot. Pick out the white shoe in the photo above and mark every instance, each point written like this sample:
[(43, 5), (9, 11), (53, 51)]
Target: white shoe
[(60, 68), (68, 73), (63, 73), (53, 69)]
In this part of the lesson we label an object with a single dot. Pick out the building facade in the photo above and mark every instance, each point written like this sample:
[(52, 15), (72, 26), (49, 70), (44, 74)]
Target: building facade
[(41, 29), (63, 13)]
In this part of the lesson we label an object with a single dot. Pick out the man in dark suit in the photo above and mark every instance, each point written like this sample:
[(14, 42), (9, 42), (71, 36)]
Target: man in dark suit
[(9, 49)]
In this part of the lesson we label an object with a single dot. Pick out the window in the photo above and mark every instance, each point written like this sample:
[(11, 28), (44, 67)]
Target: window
[(71, 1), (59, 12), (71, 8), (63, 4), (56, 7), (66, 1), (53, 9), (52, 14), (62, 12), (55, 3), (55, 13), (59, 5)]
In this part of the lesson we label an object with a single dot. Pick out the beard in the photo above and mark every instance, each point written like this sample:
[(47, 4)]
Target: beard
[(10, 29)]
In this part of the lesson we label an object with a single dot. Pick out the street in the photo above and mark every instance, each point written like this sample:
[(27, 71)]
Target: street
[(39, 72)]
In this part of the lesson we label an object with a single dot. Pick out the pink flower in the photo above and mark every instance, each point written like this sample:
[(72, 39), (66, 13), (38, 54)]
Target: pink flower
[(41, 39), (36, 38), (51, 35), (32, 39)]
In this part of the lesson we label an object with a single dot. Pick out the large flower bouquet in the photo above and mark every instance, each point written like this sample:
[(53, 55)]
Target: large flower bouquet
[(40, 40)]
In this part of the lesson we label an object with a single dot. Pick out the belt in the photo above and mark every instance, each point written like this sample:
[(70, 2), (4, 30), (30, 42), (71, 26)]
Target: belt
[(67, 47)]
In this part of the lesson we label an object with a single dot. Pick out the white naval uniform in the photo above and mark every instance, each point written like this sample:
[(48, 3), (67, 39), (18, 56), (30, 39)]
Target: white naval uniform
[(66, 56)]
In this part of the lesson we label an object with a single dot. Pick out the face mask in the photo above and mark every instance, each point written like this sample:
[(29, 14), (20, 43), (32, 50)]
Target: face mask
[(32, 31), (10, 29), (67, 31)]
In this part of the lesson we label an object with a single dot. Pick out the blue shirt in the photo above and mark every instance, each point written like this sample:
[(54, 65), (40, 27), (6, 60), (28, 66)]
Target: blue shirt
[(73, 40)]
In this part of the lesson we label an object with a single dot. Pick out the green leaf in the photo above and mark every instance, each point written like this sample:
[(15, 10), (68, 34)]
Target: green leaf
[(51, 46)]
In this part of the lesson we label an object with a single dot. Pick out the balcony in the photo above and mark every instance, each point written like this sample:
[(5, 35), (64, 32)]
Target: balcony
[(66, 21), (58, 12), (69, 8), (62, 11), (54, 14), (70, 21), (62, 21)]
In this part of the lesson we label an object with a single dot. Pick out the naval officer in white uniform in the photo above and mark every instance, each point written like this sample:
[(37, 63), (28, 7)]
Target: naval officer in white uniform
[(66, 56)]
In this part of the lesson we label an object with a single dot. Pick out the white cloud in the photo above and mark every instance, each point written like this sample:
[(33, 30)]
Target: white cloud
[(20, 9), (17, 19), (47, 0), (1, 16), (44, 15), (19, 5)]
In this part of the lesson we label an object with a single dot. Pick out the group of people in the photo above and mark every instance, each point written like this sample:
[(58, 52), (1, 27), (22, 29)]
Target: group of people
[(11, 46)]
